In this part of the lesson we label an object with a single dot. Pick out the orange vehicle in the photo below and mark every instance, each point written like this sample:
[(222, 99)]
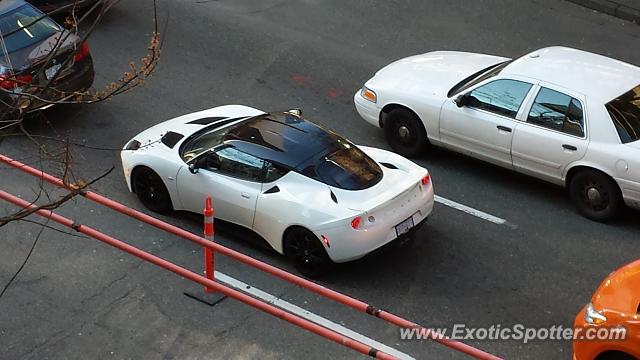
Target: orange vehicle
[(614, 306)]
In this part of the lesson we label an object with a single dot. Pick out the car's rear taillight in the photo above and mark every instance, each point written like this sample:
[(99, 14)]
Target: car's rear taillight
[(356, 222), (12, 82), (426, 179), (82, 53)]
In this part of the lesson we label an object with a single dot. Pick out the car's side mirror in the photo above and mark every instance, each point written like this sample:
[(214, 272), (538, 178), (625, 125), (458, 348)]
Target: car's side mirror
[(462, 100), (198, 163)]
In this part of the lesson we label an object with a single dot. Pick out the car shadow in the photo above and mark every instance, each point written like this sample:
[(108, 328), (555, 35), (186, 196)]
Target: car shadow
[(505, 179)]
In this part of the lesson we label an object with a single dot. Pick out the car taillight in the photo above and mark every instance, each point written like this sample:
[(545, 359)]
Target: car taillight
[(356, 222), (426, 179), (82, 52), (12, 82)]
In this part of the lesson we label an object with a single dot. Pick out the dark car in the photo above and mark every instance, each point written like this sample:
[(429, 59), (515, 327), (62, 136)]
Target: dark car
[(27, 39), (53, 5)]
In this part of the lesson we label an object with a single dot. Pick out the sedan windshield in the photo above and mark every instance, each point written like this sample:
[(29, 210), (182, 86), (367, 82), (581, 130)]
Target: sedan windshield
[(478, 77), (625, 114), (19, 28)]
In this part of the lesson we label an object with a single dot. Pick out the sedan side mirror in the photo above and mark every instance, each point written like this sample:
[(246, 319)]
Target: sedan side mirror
[(193, 168), (462, 100)]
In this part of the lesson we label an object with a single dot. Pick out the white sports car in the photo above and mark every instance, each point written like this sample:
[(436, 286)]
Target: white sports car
[(310, 193), (562, 115)]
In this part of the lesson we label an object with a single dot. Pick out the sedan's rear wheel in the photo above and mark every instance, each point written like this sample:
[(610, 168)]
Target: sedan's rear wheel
[(306, 252), (595, 195), (405, 132), (151, 190)]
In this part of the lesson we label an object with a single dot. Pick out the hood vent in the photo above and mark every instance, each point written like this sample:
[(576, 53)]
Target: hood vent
[(171, 139), (206, 121), (389, 165)]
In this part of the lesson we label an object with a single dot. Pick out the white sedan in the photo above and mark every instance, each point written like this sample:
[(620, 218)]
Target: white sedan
[(562, 115), (310, 193)]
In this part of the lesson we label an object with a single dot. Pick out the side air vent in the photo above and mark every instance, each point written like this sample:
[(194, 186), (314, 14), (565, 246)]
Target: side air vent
[(638, 310), (206, 121), (333, 197), (171, 139), (388, 165)]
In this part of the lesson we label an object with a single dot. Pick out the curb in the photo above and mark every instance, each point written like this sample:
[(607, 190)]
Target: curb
[(612, 8)]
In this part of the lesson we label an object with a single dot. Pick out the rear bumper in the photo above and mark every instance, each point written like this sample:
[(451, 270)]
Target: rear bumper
[(347, 244), (630, 192), (79, 79)]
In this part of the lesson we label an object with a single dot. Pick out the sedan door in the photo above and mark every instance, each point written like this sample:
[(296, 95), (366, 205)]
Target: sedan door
[(553, 134), (483, 128), (231, 177)]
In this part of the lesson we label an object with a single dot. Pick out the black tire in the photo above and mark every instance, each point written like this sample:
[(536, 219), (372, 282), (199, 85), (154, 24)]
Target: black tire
[(595, 195), (405, 132), (616, 355), (151, 190), (306, 252)]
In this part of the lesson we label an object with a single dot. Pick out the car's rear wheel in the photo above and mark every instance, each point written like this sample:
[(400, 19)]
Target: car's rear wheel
[(306, 252), (151, 190), (595, 195), (615, 355), (405, 132)]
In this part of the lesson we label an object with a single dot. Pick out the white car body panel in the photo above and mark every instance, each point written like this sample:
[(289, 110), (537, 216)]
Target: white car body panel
[(300, 201), (420, 83)]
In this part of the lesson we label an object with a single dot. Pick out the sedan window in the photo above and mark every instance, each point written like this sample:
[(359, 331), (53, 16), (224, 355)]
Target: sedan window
[(557, 111), (625, 113), (502, 97), (232, 162)]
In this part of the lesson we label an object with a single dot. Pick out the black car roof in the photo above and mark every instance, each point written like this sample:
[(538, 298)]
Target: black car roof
[(282, 138)]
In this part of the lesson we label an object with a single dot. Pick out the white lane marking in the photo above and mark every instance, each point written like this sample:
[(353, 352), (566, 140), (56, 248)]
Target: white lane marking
[(469, 210), (274, 300)]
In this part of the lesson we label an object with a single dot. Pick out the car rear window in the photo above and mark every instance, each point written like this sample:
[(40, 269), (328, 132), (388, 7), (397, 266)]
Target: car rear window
[(625, 114), (349, 168), (17, 31)]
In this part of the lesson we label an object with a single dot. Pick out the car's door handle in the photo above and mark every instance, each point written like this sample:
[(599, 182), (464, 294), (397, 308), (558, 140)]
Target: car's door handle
[(570, 147), (504, 128), (245, 195)]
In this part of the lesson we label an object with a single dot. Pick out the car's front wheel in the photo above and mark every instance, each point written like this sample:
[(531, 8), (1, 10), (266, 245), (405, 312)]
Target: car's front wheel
[(151, 190), (595, 195), (306, 252), (405, 132)]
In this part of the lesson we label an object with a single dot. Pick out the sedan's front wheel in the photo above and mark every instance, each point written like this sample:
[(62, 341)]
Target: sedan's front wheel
[(595, 195), (306, 252), (405, 132)]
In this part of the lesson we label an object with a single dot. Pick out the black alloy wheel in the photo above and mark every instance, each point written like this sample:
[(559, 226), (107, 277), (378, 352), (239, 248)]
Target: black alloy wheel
[(306, 252), (151, 190)]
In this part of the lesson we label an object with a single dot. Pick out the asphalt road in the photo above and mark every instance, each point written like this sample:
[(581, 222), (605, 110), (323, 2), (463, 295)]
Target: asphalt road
[(77, 298)]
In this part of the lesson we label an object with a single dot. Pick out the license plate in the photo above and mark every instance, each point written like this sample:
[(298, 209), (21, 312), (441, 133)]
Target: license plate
[(404, 226), (52, 71)]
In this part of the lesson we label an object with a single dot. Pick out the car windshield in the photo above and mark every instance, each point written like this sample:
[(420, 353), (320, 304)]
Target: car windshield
[(202, 142), (478, 77), (625, 114), (17, 29), (349, 168)]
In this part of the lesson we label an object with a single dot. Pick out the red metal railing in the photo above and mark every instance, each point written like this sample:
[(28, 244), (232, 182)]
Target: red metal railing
[(209, 284), (319, 289)]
